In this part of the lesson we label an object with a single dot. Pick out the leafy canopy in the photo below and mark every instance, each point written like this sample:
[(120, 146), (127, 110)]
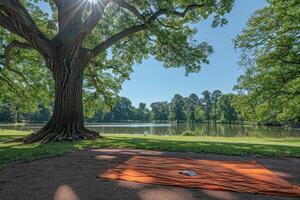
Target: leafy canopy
[(270, 52), (160, 29)]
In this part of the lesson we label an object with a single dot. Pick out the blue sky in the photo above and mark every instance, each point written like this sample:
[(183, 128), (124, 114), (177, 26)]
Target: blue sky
[(151, 82)]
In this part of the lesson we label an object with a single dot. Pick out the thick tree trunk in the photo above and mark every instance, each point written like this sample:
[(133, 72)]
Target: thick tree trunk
[(67, 121)]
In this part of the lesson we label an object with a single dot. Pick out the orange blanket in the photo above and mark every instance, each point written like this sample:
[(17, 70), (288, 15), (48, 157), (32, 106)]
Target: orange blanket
[(247, 177)]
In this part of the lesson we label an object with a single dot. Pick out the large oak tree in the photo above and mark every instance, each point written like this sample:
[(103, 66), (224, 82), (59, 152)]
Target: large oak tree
[(86, 48)]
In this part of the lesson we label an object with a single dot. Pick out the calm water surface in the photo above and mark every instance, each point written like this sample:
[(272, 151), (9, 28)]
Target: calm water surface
[(179, 129)]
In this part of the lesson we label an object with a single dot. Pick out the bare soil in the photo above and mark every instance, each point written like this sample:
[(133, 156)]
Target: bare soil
[(73, 177)]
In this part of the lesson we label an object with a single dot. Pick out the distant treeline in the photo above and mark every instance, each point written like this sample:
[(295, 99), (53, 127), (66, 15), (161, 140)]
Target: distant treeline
[(210, 107)]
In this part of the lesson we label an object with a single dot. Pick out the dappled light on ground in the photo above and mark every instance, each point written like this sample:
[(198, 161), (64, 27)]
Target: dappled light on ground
[(282, 174), (220, 195), (65, 192), (128, 151), (130, 185), (248, 177), (105, 157), (165, 194)]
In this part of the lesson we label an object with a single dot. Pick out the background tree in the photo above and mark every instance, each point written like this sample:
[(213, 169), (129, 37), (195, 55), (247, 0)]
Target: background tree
[(90, 46), (207, 104), (187, 109), (191, 103), (42, 114), (97, 117), (177, 109), (199, 114), (270, 51), (227, 112), (123, 111), (7, 112), (160, 111), (214, 98), (143, 113)]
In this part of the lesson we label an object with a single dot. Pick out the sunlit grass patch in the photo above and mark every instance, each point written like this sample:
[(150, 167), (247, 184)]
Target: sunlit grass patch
[(276, 147)]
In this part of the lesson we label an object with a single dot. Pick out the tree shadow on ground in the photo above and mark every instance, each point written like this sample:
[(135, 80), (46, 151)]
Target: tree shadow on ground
[(220, 147), (10, 152)]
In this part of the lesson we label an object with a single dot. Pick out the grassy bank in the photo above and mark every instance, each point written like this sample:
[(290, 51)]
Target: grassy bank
[(13, 152)]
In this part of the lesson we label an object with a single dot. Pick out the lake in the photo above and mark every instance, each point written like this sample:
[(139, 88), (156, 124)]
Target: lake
[(179, 129)]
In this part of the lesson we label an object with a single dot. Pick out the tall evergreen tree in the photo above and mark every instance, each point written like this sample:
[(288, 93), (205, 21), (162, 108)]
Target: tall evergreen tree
[(207, 104), (214, 98), (177, 108)]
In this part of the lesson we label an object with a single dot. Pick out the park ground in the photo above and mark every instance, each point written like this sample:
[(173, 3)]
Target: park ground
[(38, 171)]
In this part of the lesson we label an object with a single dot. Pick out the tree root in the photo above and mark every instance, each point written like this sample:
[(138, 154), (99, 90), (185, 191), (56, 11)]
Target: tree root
[(45, 136)]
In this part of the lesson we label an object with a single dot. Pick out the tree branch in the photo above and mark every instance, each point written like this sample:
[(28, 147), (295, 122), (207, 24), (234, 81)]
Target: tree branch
[(11, 85), (10, 47), (6, 3), (69, 13), (99, 88), (7, 57), (132, 9), (138, 28), (96, 14), (117, 37), (161, 12), (166, 25), (6, 23), (287, 61), (72, 31), (23, 25)]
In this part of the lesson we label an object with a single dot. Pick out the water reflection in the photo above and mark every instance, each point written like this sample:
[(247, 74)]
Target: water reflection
[(179, 129)]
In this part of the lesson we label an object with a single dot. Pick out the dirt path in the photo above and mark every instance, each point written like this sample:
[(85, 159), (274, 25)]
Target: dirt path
[(75, 174)]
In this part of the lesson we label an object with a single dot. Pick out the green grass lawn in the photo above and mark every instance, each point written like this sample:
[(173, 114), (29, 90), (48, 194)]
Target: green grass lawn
[(285, 147)]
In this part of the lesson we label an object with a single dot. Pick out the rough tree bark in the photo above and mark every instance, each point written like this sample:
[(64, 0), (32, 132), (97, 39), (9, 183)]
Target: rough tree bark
[(67, 121)]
